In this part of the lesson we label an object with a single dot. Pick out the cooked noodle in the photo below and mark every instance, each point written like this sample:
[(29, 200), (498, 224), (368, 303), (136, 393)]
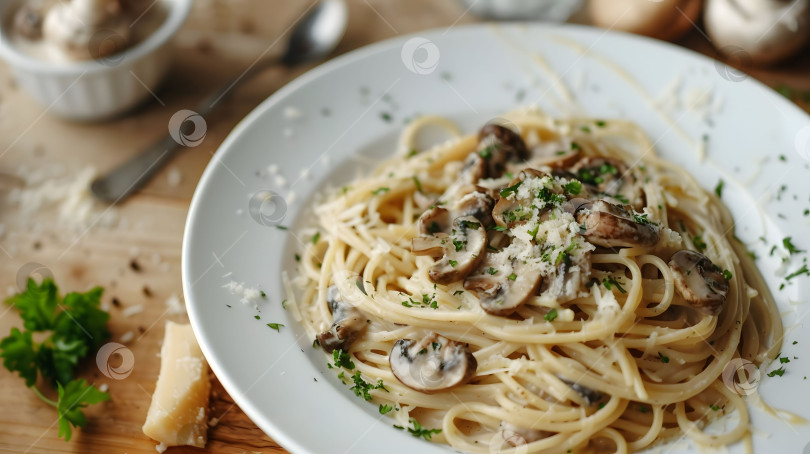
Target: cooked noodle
[(614, 358)]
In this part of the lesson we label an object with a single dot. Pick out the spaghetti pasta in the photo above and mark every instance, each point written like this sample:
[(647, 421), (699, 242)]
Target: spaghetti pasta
[(548, 285)]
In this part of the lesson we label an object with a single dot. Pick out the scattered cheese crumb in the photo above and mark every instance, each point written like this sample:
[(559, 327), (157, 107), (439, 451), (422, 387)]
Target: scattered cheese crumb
[(175, 305), (174, 177), (132, 310), (280, 181), (247, 295), (272, 169), (127, 337), (103, 387)]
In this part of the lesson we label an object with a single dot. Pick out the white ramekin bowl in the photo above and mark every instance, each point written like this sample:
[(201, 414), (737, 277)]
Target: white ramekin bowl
[(95, 89)]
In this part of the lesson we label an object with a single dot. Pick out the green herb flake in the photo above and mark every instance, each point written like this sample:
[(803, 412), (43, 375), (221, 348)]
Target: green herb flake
[(609, 282), (492, 271), (379, 191), (719, 188), (600, 123), (788, 244), (386, 117), (453, 263), (420, 432), (727, 275), (510, 189), (551, 315), (714, 407), (512, 277), (316, 237), (664, 358), (282, 227), (275, 326), (385, 409), (418, 184), (778, 372), (799, 272), (573, 187)]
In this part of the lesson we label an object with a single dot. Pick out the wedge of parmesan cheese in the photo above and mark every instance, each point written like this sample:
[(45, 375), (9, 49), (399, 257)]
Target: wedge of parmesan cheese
[(178, 414)]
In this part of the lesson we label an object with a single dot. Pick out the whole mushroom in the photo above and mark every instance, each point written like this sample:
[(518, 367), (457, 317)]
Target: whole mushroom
[(761, 32)]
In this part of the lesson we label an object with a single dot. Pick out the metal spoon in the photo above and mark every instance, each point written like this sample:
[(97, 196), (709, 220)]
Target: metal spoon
[(315, 36)]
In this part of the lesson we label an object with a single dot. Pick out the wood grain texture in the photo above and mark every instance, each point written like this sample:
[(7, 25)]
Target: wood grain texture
[(220, 37)]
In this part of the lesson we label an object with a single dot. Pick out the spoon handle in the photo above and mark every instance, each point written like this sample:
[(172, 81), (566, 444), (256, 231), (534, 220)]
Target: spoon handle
[(124, 180)]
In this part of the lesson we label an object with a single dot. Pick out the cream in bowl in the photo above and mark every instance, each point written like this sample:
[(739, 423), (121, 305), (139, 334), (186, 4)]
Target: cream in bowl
[(89, 59)]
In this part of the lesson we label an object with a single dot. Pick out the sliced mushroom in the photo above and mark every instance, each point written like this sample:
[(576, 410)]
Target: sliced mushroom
[(432, 364), (511, 211), (477, 203), (348, 323), (503, 285), (461, 250), (611, 177), (499, 145), (699, 281), (609, 225), (591, 396), (434, 220)]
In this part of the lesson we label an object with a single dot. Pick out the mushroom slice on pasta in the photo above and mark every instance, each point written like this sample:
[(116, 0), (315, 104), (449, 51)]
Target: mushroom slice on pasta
[(461, 250), (432, 364), (699, 281), (348, 323)]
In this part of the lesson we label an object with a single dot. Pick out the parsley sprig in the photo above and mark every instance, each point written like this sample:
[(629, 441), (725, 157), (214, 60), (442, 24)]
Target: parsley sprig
[(75, 326)]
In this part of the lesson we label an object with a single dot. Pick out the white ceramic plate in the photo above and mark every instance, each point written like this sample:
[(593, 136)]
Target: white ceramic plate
[(357, 104)]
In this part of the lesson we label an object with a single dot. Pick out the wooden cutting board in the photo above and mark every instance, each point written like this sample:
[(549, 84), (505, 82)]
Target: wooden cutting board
[(137, 260)]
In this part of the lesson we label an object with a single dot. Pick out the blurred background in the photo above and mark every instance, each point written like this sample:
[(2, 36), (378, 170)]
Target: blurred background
[(49, 218)]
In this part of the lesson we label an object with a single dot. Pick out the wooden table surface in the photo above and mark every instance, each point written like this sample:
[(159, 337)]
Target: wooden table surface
[(220, 37)]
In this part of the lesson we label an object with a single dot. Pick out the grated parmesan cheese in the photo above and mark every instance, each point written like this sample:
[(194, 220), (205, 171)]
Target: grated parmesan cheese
[(132, 310)]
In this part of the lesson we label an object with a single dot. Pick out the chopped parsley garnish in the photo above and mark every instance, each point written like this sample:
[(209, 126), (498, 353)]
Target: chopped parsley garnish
[(282, 227), (284, 304), (418, 184), (621, 198), (664, 358), (790, 247), (551, 315), (497, 228), (316, 237), (257, 317), (784, 360), (643, 409), (297, 257), (799, 272), (420, 432), (575, 146), (641, 219), (779, 372), (486, 153), (459, 245), (385, 408), (547, 196), (453, 263), (512, 277), (600, 123), (727, 275), (427, 301), (492, 271), (573, 187), (341, 359), (413, 152), (533, 232), (469, 225), (585, 129), (386, 116), (379, 191), (69, 328), (609, 282), (510, 189), (276, 326), (719, 188), (714, 407), (700, 245), (458, 292), (362, 388), (263, 295)]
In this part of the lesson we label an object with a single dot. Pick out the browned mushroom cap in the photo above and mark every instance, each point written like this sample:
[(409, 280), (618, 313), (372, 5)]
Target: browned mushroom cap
[(462, 250), (609, 225), (434, 220), (610, 176), (348, 323), (499, 145), (699, 281), (503, 288), (432, 364), (476, 203), (509, 211)]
